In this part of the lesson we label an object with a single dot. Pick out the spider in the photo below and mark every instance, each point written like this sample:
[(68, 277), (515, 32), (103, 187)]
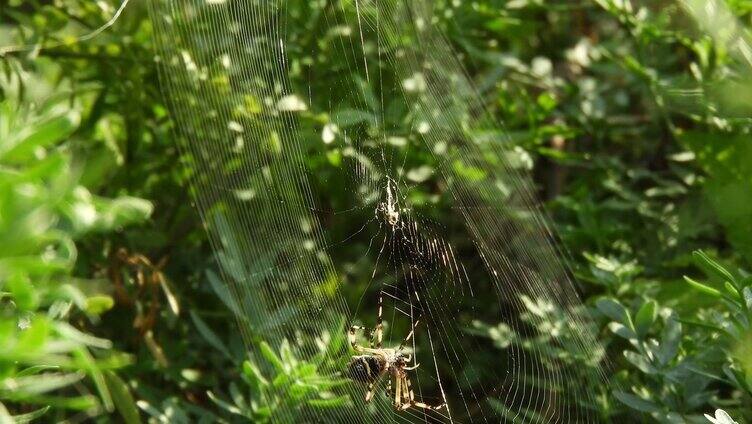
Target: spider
[(389, 208), (374, 362)]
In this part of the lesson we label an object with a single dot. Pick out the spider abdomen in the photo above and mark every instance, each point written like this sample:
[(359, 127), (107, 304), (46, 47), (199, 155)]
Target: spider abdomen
[(366, 368)]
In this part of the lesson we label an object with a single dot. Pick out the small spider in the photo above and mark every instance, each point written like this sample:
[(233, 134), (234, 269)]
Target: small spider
[(374, 362), (389, 208)]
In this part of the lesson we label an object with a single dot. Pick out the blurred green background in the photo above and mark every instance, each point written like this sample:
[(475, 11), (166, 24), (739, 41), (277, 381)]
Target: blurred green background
[(633, 117)]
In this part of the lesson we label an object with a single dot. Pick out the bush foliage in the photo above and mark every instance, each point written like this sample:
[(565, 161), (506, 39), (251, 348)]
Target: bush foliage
[(634, 117)]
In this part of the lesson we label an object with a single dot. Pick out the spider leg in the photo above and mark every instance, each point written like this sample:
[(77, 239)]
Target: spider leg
[(389, 388), (410, 334), (410, 368), (407, 393), (352, 339), (426, 406), (411, 398), (398, 393), (370, 392), (379, 323)]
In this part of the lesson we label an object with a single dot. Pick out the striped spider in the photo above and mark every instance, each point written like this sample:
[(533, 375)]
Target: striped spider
[(374, 362), (390, 208)]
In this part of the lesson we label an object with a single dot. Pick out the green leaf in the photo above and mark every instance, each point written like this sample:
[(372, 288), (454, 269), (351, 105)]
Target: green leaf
[(703, 288), (738, 377), (646, 317), (366, 91), (670, 339), (75, 335), (640, 361), (223, 291), (733, 291), (614, 310), (269, 355), (5, 417), (41, 134), (224, 405), (701, 324), (172, 300), (622, 331), (330, 403), (726, 156), (151, 410), (34, 337), (122, 211), (122, 397), (747, 294), (37, 384), (209, 335), (97, 305), (635, 402), (237, 396), (253, 373), (23, 293), (28, 417), (36, 369), (87, 363), (348, 117), (80, 403), (711, 267)]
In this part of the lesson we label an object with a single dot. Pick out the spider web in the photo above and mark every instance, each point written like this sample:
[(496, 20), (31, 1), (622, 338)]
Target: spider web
[(265, 135)]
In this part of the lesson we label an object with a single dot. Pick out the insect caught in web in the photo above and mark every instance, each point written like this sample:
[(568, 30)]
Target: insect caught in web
[(374, 362)]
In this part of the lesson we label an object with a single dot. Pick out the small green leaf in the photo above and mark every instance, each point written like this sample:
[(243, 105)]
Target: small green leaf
[(172, 300), (87, 363), (38, 384), (36, 369), (701, 324), (299, 391), (733, 291), (34, 337), (286, 355), (670, 339), (38, 135), (269, 355), (23, 293), (75, 335), (209, 335), (122, 211), (747, 294), (237, 396), (614, 310), (646, 317), (640, 361), (253, 373), (622, 331), (347, 117), (5, 417), (711, 267), (703, 288), (224, 405), (636, 402), (28, 417), (149, 409), (223, 291), (97, 305), (122, 397), (330, 403)]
